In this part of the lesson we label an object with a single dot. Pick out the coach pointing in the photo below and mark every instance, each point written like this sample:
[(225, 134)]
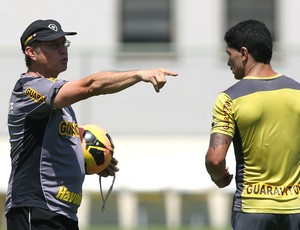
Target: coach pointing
[(43, 159)]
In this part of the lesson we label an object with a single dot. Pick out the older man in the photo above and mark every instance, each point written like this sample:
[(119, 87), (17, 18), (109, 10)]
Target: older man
[(44, 160)]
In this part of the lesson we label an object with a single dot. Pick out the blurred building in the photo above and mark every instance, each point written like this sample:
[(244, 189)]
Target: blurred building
[(160, 139)]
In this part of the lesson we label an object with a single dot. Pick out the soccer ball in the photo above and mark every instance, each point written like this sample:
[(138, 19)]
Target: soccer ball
[(97, 146)]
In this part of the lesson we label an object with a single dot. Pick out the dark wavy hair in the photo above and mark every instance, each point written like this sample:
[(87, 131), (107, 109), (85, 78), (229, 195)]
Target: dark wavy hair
[(255, 36)]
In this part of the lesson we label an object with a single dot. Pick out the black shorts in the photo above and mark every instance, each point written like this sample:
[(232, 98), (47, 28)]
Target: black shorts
[(38, 219), (261, 221)]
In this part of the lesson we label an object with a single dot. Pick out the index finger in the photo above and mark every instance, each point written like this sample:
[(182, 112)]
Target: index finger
[(168, 72)]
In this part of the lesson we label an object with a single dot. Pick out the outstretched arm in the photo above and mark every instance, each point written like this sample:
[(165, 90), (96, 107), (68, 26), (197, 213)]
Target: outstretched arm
[(108, 83), (215, 159)]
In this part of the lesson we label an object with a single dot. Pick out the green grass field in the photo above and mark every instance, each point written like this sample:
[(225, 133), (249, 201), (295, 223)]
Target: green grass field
[(156, 228), (102, 227)]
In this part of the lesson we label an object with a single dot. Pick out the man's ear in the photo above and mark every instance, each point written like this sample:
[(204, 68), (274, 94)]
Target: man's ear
[(29, 51), (245, 53)]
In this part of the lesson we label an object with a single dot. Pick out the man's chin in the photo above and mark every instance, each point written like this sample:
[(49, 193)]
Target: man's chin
[(64, 68), (238, 77)]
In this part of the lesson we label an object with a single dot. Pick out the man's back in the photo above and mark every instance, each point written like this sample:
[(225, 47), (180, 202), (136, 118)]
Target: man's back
[(266, 117)]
